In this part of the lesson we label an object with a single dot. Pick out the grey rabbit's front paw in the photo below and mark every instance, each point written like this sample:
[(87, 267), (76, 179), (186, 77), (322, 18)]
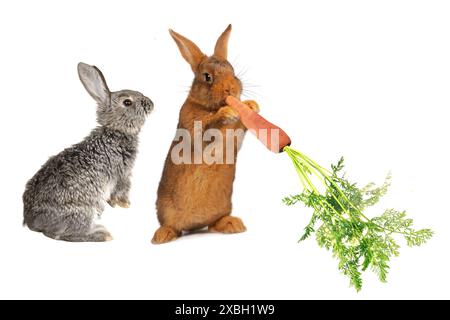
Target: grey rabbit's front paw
[(121, 202)]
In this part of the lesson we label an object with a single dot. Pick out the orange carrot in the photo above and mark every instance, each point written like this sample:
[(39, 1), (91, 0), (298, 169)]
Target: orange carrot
[(272, 136)]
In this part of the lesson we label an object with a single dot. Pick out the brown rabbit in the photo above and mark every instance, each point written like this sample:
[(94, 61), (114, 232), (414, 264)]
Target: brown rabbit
[(193, 196)]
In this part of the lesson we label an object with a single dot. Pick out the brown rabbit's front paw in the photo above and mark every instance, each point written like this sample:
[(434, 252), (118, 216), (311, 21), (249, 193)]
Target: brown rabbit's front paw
[(164, 235), (252, 104), (121, 202), (228, 224), (228, 115)]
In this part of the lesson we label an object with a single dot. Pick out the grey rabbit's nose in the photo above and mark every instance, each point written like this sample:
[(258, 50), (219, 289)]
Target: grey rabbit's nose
[(147, 104)]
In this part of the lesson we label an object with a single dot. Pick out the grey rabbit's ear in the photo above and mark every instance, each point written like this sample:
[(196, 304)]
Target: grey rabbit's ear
[(94, 82)]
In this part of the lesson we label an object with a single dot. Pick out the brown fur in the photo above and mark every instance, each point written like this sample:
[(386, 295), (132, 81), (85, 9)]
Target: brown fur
[(194, 196)]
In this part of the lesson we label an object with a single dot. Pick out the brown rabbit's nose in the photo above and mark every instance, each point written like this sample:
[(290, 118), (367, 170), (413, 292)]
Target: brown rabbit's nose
[(230, 91)]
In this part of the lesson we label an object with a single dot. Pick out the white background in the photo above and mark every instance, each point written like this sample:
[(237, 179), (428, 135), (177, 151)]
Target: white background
[(369, 80)]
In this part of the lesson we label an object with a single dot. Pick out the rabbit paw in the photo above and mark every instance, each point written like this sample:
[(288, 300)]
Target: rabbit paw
[(97, 234), (164, 235), (228, 115), (100, 236), (121, 202), (253, 105), (228, 224)]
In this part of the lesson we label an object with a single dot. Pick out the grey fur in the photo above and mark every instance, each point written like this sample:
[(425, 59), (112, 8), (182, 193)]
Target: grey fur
[(71, 189)]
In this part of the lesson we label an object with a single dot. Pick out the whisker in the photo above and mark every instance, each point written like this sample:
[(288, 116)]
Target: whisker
[(184, 89), (235, 63), (250, 88), (242, 73), (248, 85), (251, 94)]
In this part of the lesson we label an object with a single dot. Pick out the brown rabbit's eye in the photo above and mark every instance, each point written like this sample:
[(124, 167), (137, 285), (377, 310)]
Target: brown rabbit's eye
[(208, 77), (127, 102)]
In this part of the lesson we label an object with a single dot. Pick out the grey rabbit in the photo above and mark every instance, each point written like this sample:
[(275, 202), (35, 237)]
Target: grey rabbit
[(71, 189)]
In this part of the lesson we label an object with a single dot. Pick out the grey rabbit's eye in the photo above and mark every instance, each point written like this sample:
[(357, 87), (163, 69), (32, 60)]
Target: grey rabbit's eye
[(207, 77), (127, 102)]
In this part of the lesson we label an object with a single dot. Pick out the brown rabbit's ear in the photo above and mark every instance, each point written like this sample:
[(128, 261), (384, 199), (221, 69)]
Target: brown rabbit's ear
[(190, 52), (221, 49)]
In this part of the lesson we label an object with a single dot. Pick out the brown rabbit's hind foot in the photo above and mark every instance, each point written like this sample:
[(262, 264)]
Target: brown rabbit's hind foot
[(228, 225), (252, 104), (121, 202), (165, 234)]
